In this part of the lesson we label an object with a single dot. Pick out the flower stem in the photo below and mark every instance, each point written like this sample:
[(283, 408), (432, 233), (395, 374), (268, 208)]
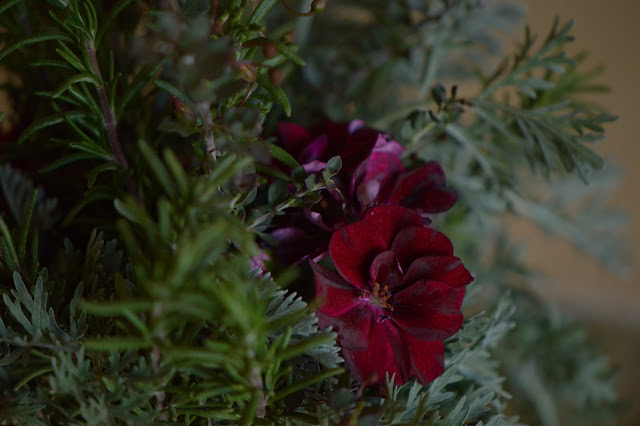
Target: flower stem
[(108, 115), (204, 108), (295, 12)]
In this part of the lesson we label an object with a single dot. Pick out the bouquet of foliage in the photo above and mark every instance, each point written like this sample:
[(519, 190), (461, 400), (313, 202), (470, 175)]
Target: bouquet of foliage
[(291, 212)]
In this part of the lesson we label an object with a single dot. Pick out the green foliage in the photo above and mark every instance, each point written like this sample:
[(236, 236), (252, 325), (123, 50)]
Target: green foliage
[(470, 390), (147, 123), (555, 368)]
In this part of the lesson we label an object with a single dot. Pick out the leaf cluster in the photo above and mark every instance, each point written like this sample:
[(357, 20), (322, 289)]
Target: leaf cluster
[(147, 125)]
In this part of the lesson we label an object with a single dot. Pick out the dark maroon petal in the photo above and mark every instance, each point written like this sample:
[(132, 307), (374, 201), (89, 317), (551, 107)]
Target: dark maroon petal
[(352, 142), (337, 135), (385, 270), (293, 138), (381, 168), (367, 193), (428, 310), (392, 147), (427, 359), (336, 296), (294, 244), (446, 269), (412, 243), (353, 327), (355, 125), (389, 220), (424, 189), (316, 150), (387, 353), (314, 166), (353, 248)]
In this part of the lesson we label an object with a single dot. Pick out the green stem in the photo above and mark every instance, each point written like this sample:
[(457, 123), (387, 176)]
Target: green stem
[(429, 72), (108, 115)]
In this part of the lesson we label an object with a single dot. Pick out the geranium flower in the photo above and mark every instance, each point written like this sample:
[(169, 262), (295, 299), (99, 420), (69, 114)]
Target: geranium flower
[(372, 174), (313, 147), (395, 297), (381, 179)]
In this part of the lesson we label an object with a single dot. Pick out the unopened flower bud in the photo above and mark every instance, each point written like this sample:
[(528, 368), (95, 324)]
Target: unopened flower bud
[(318, 6), (217, 29), (439, 93), (269, 50), (276, 75), (183, 113), (289, 37), (247, 71)]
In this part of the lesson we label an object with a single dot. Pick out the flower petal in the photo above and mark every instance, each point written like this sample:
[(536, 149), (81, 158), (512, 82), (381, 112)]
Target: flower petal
[(295, 244), (353, 327), (381, 168), (428, 310), (424, 189), (336, 296), (446, 269), (427, 359), (384, 145), (351, 141), (367, 192), (314, 166), (352, 249), (293, 138), (387, 353), (388, 220), (415, 242), (316, 150), (385, 270), (355, 125)]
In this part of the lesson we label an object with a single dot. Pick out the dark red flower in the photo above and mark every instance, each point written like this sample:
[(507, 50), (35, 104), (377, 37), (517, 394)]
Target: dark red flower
[(313, 147), (372, 174), (397, 295), (381, 179)]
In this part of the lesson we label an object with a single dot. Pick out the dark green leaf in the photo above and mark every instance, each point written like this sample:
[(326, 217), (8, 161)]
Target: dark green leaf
[(8, 4), (334, 165), (49, 121), (85, 76), (34, 39), (277, 193), (283, 156), (119, 344), (261, 9), (278, 94), (119, 7)]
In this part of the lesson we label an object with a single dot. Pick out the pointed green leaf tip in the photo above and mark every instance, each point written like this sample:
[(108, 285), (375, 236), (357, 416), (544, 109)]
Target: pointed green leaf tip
[(276, 91), (86, 77), (283, 156), (261, 10)]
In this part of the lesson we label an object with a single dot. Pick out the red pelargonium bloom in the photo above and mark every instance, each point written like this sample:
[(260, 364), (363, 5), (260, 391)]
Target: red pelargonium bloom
[(312, 148), (397, 295), (381, 179), (372, 172)]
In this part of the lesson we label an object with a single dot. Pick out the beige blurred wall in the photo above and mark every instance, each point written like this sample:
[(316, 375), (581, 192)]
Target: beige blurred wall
[(610, 30)]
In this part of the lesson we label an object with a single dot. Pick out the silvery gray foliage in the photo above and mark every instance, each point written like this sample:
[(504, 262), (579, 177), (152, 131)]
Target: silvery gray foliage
[(283, 303), (163, 150)]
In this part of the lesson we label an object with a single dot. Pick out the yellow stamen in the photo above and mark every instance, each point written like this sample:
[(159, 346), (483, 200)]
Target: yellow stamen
[(380, 296)]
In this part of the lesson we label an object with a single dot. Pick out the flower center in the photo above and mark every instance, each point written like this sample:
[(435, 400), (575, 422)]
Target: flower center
[(379, 296)]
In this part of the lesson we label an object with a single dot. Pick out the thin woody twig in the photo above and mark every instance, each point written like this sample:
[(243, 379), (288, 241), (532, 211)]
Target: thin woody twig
[(108, 115), (204, 108)]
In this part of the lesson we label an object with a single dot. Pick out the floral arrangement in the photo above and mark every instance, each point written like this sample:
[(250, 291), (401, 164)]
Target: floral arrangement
[(278, 212)]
